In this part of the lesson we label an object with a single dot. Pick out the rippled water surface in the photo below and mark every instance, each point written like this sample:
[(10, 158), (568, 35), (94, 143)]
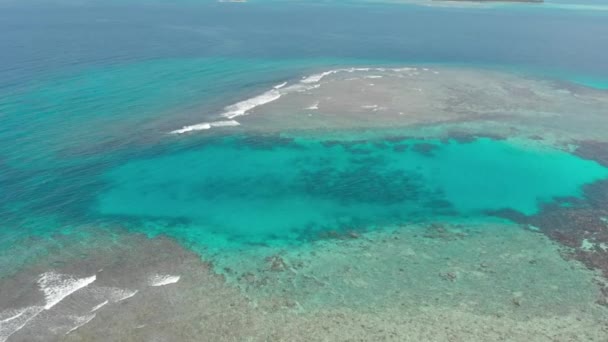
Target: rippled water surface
[(90, 93)]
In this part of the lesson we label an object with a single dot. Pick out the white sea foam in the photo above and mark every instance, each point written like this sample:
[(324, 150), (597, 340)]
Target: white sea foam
[(241, 108), (280, 85), (17, 315), (299, 88), (197, 127), (225, 123), (205, 125), (314, 106), (100, 305), (162, 279), (56, 286), (17, 320), (121, 294), (318, 77), (80, 321), (307, 83), (404, 69), (113, 294), (108, 295)]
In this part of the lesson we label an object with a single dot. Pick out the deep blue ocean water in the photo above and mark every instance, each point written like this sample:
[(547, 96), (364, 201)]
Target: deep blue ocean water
[(88, 91)]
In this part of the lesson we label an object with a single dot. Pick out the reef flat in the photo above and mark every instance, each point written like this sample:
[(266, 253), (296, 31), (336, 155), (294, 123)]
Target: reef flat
[(410, 203), (436, 281), (427, 99)]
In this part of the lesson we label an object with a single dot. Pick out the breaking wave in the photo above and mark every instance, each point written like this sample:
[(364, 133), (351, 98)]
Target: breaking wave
[(306, 83)]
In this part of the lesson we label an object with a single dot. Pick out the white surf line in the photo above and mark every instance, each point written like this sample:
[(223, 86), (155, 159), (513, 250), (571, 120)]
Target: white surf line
[(13, 324), (109, 295), (234, 110), (12, 317), (125, 295), (318, 77), (205, 125), (100, 305), (241, 108), (80, 321), (306, 83), (55, 287), (315, 78), (279, 86), (161, 280)]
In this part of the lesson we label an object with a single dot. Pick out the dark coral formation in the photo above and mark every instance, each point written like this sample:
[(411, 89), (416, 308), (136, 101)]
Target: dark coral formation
[(594, 150), (467, 137), (365, 183), (425, 149), (580, 224)]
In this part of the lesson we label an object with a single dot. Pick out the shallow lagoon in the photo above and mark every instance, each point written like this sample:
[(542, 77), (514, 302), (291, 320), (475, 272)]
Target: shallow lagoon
[(327, 223), (307, 222), (263, 187)]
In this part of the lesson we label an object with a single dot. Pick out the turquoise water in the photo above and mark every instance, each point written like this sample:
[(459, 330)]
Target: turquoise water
[(83, 125), (262, 188), (90, 91)]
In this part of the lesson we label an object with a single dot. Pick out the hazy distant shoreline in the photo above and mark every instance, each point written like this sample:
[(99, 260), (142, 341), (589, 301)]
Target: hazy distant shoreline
[(535, 1)]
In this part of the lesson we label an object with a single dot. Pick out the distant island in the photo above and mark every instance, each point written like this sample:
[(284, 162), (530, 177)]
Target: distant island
[(535, 1)]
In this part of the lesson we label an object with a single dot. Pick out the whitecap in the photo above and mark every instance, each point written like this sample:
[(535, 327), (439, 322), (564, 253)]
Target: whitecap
[(404, 69), (121, 294), (241, 108), (108, 295), (225, 123), (318, 77), (234, 110), (280, 85), (100, 305), (80, 321), (17, 320), (161, 280), (196, 127), (56, 286), (15, 316), (314, 106), (205, 125), (307, 83)]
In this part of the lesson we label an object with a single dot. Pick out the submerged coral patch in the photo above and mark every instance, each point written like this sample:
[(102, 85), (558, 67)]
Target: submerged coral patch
[(251, 189)]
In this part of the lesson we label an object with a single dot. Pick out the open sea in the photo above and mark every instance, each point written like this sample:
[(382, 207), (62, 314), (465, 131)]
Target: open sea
[(136, 155)]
